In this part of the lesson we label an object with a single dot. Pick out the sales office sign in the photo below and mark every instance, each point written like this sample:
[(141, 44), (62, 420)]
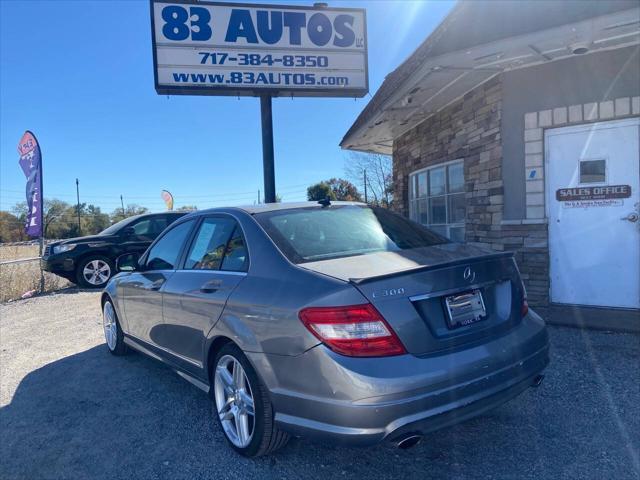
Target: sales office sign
[(600, 196), (207, 48)]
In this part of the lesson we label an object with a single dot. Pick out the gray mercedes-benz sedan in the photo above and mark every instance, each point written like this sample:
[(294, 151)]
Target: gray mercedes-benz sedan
[(334, 321)]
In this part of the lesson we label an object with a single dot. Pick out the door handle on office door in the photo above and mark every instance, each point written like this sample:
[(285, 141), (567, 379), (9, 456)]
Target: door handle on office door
[(211, 286), (632, 217)]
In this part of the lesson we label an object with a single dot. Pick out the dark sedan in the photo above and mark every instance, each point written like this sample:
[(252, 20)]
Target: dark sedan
[(89, 261), (339, 322)]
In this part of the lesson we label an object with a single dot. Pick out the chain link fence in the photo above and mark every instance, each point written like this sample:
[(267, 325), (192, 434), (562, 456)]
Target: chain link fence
[(20, 271)]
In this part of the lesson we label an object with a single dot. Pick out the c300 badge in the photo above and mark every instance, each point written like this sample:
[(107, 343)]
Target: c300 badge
[(388, 292)]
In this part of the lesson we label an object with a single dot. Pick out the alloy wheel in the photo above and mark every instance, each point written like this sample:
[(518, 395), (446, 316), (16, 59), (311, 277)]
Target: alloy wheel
[(96, 272), (110, 326), (234, 401)]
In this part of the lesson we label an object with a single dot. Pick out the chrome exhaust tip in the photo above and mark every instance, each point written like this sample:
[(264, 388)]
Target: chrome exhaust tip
[(537, 380), (409, 441)]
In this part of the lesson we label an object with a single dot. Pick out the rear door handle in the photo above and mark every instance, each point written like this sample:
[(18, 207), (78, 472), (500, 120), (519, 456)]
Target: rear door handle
[(211, 286), (157, 285)]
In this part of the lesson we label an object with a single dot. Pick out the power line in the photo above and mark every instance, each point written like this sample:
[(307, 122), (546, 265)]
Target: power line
[(248, 193), (116, 210), (224, 199)]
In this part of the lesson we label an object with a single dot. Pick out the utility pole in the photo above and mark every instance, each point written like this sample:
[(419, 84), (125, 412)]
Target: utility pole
[(258, 196), (267, 149), (122, 204), (365, 186), (78, 206)]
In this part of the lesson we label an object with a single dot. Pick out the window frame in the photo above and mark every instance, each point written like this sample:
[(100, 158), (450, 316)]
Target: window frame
[(132, 224), (594, 159), (413, 200), (237, 228), (138, 222), (145, 257), (170, 218), (192, 238), (152, 219)]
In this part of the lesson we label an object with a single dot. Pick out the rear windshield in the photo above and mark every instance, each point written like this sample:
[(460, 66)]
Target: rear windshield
[(311, 234)]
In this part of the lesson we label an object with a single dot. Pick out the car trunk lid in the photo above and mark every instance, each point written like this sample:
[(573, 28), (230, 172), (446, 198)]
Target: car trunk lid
[(410, 289)]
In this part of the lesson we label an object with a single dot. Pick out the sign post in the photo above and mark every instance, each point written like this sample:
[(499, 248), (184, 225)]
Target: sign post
[(211, 48), (268, 167), (78, 205)]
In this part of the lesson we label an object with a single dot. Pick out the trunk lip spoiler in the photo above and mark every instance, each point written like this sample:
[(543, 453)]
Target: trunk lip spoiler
[(449, 291), (426, 268)]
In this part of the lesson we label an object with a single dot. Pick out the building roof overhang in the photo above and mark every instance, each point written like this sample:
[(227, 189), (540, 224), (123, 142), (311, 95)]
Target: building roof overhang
[(413, 93)]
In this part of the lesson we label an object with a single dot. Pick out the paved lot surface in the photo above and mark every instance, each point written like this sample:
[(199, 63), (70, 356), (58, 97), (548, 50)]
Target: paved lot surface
[(68, 409)]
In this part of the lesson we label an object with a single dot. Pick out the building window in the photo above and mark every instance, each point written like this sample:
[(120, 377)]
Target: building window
[(593, 171), (437, 199)]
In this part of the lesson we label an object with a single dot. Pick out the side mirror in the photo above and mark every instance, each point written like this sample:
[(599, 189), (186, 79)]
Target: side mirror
[(128, 232), (127, 262)]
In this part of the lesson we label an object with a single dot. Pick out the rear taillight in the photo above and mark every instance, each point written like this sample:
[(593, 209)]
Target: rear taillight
[(356, 330), (524, 308)]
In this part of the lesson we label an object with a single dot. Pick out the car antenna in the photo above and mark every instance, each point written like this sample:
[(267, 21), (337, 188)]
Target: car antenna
[(325, 202)]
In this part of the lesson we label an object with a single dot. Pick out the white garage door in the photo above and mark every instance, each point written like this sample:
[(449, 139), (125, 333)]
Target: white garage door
[(592, 201)]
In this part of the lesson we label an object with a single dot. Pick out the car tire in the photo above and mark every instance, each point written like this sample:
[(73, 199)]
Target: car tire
[(113, 335), (233, 390), (94, 271)]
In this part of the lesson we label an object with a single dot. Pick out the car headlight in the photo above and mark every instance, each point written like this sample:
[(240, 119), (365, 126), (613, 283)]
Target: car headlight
[(64, 248)]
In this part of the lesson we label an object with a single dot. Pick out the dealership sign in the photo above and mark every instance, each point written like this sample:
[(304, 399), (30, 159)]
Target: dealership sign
[(207, 48)]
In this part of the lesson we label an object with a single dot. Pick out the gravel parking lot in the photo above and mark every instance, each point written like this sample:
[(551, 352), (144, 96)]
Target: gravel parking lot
[(68, 409)]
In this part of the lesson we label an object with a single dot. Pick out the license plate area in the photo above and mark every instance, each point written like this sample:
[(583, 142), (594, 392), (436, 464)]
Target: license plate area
[(464, 309)]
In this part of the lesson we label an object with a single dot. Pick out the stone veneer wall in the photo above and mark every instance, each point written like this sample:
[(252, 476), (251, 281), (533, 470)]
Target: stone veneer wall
[(469, 129)]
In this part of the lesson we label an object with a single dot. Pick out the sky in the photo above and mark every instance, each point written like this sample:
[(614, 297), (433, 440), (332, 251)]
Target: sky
[(79, 74)]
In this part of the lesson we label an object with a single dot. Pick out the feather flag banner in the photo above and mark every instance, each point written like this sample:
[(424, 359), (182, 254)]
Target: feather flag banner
[(168, 199), (31, 164)]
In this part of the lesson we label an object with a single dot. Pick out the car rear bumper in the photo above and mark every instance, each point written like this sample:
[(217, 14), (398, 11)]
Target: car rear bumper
[(366, 401)]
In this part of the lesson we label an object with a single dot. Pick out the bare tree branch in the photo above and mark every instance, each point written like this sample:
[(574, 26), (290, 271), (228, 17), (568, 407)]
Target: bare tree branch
[(379, 175)]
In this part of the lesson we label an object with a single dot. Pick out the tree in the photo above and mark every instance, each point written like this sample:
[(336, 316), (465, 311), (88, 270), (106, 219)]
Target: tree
[(379, 170), (344, 190), (335, 189), (129, 211), (187, 208), (60, 219), (54, 221), (320, 191), (93, 220), (11, 228)]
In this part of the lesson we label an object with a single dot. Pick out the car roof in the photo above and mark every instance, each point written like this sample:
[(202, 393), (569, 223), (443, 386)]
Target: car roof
[(154, 214), (270, 207)]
